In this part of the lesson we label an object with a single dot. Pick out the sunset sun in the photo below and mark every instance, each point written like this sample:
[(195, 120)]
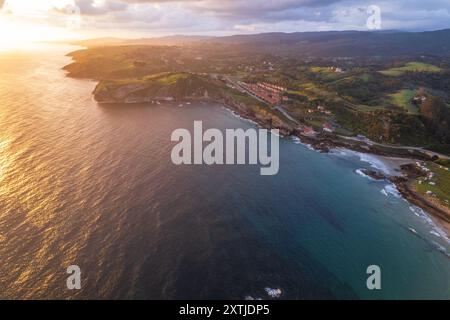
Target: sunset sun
[(27, 22)]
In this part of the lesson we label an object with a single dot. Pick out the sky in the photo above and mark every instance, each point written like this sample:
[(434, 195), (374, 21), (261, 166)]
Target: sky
[(57, 19)]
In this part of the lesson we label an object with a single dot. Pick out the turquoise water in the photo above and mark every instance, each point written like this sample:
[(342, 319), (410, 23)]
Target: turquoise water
[(94, 186)]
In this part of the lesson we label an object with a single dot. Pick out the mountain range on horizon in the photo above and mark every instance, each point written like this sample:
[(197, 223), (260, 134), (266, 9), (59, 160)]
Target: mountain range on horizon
[(318, 44)]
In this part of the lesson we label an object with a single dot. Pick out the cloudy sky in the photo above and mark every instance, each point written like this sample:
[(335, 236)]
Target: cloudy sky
[(132, 18)]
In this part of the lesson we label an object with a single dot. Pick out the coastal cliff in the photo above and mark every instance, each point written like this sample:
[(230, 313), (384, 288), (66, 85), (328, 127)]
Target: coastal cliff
[(181, 87), (159, 87)]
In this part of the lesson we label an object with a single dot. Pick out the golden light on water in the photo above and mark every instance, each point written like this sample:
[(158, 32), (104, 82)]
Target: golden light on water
[(4, 159)]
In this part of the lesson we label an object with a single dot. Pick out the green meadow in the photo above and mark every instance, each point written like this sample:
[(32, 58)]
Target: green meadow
[(411, 67), (403, 99)]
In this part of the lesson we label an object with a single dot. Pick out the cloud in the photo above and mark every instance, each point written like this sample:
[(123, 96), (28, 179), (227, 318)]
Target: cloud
[(253, 16), (92, 7)]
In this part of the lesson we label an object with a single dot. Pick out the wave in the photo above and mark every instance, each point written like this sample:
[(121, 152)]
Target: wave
[(273, 293), (436, 231), (237, 115), (297, 140), (362, 174), (374, 161), (391, 190)]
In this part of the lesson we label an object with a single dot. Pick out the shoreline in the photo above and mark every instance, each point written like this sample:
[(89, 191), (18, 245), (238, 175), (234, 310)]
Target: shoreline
[(396, 171), (393, 158), (401, 172)]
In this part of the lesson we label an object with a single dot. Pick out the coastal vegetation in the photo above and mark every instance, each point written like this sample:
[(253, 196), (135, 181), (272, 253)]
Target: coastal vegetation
[(404, 99), (397, 101), (435, 184), (389, 100)]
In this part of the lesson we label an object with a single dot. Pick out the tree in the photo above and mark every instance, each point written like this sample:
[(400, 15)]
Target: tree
[(436, 117)]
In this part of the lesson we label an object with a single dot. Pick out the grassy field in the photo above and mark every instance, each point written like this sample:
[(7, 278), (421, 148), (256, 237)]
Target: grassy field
[(411, 67), (326, 74), (163, 78), (441, 180), (365, 77), (403, 99)]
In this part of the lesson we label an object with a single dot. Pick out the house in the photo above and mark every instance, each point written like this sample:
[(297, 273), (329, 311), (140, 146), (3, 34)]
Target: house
[(337, 69), (309, 131), (269, 93), (419, 99), (327, 127)]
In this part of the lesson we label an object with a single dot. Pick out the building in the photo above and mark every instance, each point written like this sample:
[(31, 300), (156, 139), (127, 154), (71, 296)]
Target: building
[(267, 92), (419, 99), (337, 69), (327, 127), (309, 131)]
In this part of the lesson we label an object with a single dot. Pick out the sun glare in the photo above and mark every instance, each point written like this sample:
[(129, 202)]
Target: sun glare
[(27, 22)]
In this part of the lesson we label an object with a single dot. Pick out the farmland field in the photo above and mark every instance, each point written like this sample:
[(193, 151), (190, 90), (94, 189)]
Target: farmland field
[(411, 67)]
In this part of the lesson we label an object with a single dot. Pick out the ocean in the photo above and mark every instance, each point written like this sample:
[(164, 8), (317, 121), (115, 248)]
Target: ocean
[(94, 186)]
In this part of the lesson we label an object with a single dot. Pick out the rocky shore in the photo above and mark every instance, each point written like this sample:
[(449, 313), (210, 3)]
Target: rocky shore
[(403, 180), (324, 142), (405, 185)]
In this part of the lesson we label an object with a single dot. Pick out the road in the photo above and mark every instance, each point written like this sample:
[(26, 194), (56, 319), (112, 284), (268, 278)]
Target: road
[(370, 142)]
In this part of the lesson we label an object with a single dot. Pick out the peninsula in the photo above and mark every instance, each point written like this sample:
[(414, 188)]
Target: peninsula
[(385, 102)]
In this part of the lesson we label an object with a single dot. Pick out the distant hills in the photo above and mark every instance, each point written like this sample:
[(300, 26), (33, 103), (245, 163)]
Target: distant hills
[(310, 44), (167, 41)]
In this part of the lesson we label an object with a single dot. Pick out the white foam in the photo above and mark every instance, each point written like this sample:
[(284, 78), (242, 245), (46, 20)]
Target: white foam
[(391, 190), (362, 174), (297, 140), (237, 115), (273, 293), (374, 161), (436, 231)]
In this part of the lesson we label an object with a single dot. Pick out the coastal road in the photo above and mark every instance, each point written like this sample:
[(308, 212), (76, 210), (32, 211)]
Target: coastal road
[(286, 114), (370, 142)]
